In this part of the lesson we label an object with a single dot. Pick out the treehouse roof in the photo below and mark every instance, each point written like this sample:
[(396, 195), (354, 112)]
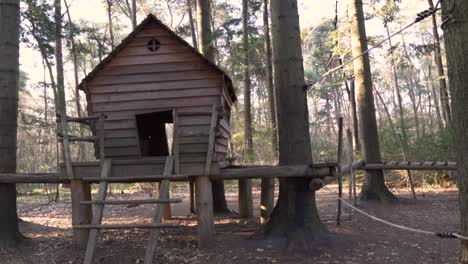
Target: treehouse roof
[(151, 19)]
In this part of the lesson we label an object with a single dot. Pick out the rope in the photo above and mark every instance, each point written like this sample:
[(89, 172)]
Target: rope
[(414, 230), (419, 17)]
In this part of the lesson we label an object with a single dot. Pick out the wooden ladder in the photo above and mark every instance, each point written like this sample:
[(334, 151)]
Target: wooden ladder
[(106, 170), (98, 210)]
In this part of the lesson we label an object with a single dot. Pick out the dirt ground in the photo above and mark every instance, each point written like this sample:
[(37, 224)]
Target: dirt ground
[(359, 239)]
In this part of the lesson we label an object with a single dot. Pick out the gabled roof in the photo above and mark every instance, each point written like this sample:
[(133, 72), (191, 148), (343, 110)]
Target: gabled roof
[(148, 20)]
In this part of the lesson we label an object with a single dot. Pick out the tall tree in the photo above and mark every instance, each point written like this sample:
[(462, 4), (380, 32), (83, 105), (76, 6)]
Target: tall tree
[(133, 12), (193, 32), (443, 90), (455, 13), (374, 185), (267, 198), (61, 105), (205, 46), (9, 84), (245, 186), (295, 215)]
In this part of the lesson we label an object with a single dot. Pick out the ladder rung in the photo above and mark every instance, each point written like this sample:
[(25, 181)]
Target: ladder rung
[(148, 201), (85, 139), (82, 119), (125, 226)]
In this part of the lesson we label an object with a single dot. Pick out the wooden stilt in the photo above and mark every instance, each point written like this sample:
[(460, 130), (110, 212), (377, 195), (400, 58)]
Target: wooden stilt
[(340, 176), (81, 214), (160, 209), (204, 205), (192, 197), (98, 211)]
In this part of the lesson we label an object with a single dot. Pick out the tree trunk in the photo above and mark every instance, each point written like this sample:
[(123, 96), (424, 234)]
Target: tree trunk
[(295, 215), (205, 46), (133, 14), (81, 152), (245, 186), (444, 97), (456, 43), (374, 184), (205, 36), (61, 105), (396, 87), (192, 24), (110, 22), (352, 99), (267, 197), (9, 75)]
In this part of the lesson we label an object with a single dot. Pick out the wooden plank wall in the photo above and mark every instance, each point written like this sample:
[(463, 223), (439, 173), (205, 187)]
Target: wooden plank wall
[(140, 81)]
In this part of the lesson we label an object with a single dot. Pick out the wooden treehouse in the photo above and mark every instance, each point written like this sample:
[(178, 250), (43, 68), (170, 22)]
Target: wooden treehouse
[(159, 95)]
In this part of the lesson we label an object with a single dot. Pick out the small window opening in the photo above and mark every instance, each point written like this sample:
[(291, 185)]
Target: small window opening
[(153, 45), (155, 132)]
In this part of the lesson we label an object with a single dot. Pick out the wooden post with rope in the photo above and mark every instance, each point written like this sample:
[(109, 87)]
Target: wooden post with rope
[(340, 176)]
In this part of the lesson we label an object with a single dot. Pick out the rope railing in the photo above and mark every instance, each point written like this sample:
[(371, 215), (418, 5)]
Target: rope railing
[(401, 227)]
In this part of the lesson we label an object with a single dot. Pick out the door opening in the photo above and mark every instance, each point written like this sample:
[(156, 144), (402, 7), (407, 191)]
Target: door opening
[(155, 133)]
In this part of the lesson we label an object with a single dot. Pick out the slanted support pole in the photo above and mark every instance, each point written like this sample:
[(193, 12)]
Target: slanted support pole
[(204, 201), (81, 213)]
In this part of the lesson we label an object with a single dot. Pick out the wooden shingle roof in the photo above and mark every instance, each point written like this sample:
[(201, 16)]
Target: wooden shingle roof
[(152, 19)]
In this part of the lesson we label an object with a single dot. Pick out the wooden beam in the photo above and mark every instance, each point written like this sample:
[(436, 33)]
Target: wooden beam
[(274, 172), (124, 226), (81, 214), (394, 165), (32, 178), (147, 201)]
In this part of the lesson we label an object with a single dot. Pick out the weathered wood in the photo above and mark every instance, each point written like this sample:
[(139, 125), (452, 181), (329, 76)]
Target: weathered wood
[(125, 226), (352, 180), (97, 212), (204, 200), (154, 77), (318, 183), (147, 201), (160, 210), (152, 68), (81, 214), (66, 147), (32, 178), (80, 139), (167, 94), (275, 172), (411, 166), (163, 58), (176, 141), (192, 196), (155, 87), (154, 104)]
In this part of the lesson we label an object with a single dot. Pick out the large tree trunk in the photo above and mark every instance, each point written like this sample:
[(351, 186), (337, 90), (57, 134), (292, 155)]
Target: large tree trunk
[(444, 97), (133, 14), (267, 197), (374, 184), (396, 87), (110, 22), (295, 215), (9, 75), (81, 153), (61, 105), (245, 186), (456, 43), (192, 24), (205, 46)]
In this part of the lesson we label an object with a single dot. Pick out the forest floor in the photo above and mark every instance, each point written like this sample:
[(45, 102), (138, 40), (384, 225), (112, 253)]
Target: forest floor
[(47, 226)]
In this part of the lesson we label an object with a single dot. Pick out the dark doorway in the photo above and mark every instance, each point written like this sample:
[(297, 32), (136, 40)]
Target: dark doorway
[(153, 134)]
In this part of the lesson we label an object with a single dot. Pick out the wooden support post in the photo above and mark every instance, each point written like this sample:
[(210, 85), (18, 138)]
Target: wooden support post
[(245, 198), (192, 197), (340, 176), (204, 200), (167, 213), (352, 179), (81, 214)]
